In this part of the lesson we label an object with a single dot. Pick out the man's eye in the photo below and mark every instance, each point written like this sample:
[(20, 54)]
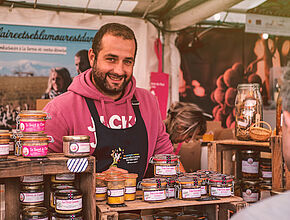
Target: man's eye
[(111, 59), (128, 62)]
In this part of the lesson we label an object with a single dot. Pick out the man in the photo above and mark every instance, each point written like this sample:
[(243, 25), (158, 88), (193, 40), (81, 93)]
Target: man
[(104, 103), (277, 207), (82, 61)]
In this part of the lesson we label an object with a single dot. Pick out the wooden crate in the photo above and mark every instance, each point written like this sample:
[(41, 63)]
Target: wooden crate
[(215, 209), (220, 154), (15, 167), (280, 172)]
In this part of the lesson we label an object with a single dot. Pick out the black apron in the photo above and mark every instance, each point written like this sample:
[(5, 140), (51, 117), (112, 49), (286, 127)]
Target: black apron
[(124, 148)]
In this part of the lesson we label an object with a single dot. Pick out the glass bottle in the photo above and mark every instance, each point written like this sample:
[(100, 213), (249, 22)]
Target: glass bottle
[(248, 109)]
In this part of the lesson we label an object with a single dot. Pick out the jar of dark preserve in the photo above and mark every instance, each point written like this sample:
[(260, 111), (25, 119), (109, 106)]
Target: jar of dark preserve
[(68, 201), (35, 213), (250, 164), (250, 190), (58, 216)]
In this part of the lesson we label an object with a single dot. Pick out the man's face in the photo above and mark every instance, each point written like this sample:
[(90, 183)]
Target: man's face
[(77, 63), (57, 82), (113, 68), (286, 138)]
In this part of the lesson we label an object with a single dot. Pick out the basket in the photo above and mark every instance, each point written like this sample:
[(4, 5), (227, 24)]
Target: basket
[(258, 133)]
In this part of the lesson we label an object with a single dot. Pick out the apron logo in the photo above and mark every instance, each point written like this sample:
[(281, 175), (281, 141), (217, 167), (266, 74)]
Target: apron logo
[(117, 156)]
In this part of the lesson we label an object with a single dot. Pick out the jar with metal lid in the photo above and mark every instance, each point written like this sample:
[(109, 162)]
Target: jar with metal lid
[(68, 201), (130, 186), (32, 195), (32, 121), (36, 179), (189, 187), (63, 178), (248, 109), (76, 146), (35, 145), (115, 189), (129, 216), (58, 216), (101, 187), (55, 187), (4, 144), (165, 165), (266, 168), (154, 189), (204, 181), (221, 185), (250, 164), (171, 187), (35, 213), (165, 215), (11, 144), (250, 190)]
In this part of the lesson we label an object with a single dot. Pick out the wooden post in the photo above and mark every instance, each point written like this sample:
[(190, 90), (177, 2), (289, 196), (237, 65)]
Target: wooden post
[(12, 202), (277, 163)]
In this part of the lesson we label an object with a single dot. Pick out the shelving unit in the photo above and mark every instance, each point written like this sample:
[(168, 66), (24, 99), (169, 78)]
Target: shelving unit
[(215, 209), (15, 167)]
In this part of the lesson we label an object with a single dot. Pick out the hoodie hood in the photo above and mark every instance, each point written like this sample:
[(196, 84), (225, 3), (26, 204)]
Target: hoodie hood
[(82, 85)]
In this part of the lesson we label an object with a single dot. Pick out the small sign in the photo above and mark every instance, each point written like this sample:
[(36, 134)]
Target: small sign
[(77, 165)]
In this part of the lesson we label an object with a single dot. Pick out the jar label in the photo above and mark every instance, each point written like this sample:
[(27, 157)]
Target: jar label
[(130, 189), (157, 195), (115, 192), (66, 176), (68, 204), (34, 151), (220, 191), (4, 149), (32, 126), (101, 190), (31, 179), (190, 193), (203, 190), (249, 196), (79, 148), (26, 197), (243, 123), (267, 174), (165, 170), (250, 103), (46, 218), (11, 146), (249, 166), (170, 193)]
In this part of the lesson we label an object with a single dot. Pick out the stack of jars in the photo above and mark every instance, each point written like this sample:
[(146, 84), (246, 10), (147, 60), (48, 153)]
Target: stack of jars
[(32, 197), (116, 187), (31, 141), (250, 182), (266, 173), (65, 198)]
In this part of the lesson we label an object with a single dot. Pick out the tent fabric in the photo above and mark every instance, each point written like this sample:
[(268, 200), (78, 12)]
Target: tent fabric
[(145, 32)]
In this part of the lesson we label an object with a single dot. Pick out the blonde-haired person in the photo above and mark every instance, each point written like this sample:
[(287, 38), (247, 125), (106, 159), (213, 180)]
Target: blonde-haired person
[(58, 82)]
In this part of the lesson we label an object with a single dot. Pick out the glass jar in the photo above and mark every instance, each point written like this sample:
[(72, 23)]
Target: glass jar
[(68, 201), (171, 187), (101, 187), (32, 195), (165, 165), (76, 146), (32, 121), (35, 213), (248, 109), (221, 185), (129, 216), (58, 216), (37, 179), (266, 168), (189, 187), (130, 186), (115, 189), (250, 190), (154, 189), (250, 164), (204, 181), (55, 187), (63, 178), (35, 145)]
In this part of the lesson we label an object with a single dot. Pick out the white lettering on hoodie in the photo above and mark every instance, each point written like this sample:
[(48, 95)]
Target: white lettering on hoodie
[(93, 129)]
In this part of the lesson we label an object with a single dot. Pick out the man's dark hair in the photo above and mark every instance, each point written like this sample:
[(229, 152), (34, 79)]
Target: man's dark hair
[(84, 60), (115, 29)]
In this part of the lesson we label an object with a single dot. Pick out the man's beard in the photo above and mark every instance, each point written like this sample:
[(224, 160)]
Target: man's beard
[(100, 79)]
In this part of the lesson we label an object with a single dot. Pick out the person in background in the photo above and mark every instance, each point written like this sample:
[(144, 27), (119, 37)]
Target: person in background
[(82, 61), (276, 207), (58, 82), (123, 122)]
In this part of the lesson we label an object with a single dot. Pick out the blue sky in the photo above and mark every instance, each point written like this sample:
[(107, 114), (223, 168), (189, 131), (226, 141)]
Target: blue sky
[(40, 63)]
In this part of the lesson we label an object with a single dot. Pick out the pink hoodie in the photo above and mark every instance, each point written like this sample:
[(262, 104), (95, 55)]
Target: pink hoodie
[(71, 116)]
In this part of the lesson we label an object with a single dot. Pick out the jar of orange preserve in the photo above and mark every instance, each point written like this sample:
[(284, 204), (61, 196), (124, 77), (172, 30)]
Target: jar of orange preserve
[(32, 121)]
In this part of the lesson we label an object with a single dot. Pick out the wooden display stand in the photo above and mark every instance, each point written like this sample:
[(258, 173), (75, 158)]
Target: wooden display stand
[(220, 154), (15, 167), (216, 209), (280, 172)]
